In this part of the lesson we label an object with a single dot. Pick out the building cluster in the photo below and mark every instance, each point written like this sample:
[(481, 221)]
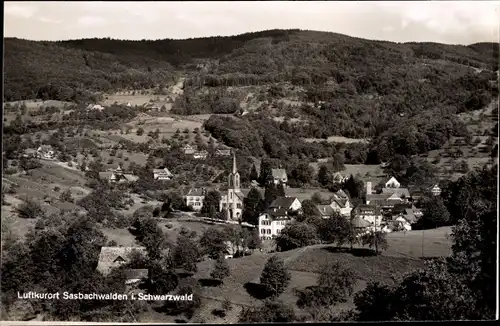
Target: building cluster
[(390, 209), (193, 151)]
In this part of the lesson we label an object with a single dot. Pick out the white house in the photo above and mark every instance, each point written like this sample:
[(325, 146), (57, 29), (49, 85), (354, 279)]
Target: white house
[(188, 149), (195, 197), (232, 201), (162, 174), (392, 183), (279, 175), (200, 155), (95, 107), (272, 222), (223, 152), (118, 176), (341, 203), (436, 191), (46, 152)]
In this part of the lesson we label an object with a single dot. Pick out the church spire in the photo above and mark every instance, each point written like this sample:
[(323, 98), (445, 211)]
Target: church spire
[(234, 163)]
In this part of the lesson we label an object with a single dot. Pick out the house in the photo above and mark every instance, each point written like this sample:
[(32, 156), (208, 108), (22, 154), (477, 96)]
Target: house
[(273, 221), (232, 201), (400, 223), (95, 107), (162, 174), (290, 203), (223, 152), (194, 198), (135, 275), (30, 153), (113, 257), (46, 152), (392, 183), (360, 225), (341, 203), (279, 175), (436, 191), (369, 213), (402, 193), (339, 178), (188, 149), (405, 211), (200, 155), (118, 176)]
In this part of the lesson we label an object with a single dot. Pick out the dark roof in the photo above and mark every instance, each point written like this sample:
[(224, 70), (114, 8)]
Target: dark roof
[(283, 202), (365, 207), (399, 191), (278, 212), (196, 192), (400, 208), (262, 191), (325, 210), (377, 197)]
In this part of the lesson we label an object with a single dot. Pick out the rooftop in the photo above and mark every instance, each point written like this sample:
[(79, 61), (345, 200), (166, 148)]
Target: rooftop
[(285, 202)]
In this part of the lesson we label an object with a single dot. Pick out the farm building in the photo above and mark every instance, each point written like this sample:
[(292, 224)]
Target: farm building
[(279, 175), (113, 257), (118, 176), (162, 174), (194, 198)]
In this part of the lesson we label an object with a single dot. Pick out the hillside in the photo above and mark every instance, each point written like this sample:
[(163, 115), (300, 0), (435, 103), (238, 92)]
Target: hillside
[(295, 84)]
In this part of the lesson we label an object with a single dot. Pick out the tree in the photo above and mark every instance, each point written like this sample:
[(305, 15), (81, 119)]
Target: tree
[(265, 172), (302, 174), (211, 204), (336, 229), (375, 239), (269, 312), (270, 194), (213, 242), (28, 163), (275, 277), (375, 302), (354, 187), (435, 214), (221, 269), (337, 163), (309, 208), (161, 280), (30, 209), (66, 196), (253, 240), (295, 235), (335, 284), (252, 204), (186, 254), (317, 198), (280, 190), (325, 177), (140, 131), (254, 175)]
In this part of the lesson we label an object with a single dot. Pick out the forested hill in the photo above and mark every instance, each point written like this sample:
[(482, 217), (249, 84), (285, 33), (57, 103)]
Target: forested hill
[(66, 70)]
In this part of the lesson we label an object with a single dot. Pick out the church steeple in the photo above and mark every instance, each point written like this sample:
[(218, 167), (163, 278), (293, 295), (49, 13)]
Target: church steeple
[(234, 164), (234, 176)]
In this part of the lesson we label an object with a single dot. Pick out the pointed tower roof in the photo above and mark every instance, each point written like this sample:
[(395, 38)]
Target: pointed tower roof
[(234, 163)]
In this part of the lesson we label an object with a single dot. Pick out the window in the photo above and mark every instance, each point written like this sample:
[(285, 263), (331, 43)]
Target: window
[(263, 231), (278, 231), (238, 205), (268, 231)]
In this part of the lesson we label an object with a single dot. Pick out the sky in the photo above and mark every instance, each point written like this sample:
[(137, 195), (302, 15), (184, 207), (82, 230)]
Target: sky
[(451, 22)]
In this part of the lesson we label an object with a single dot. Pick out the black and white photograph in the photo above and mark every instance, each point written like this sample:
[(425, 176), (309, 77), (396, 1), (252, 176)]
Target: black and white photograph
[(227, 162)]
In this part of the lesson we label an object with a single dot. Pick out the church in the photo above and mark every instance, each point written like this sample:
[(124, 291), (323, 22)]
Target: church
[(232, 201)]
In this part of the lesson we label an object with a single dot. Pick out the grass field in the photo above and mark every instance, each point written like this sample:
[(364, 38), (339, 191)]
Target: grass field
[(402, 256)]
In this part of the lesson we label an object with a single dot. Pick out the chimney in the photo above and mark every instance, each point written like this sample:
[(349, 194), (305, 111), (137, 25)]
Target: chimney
[(369, 188)]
